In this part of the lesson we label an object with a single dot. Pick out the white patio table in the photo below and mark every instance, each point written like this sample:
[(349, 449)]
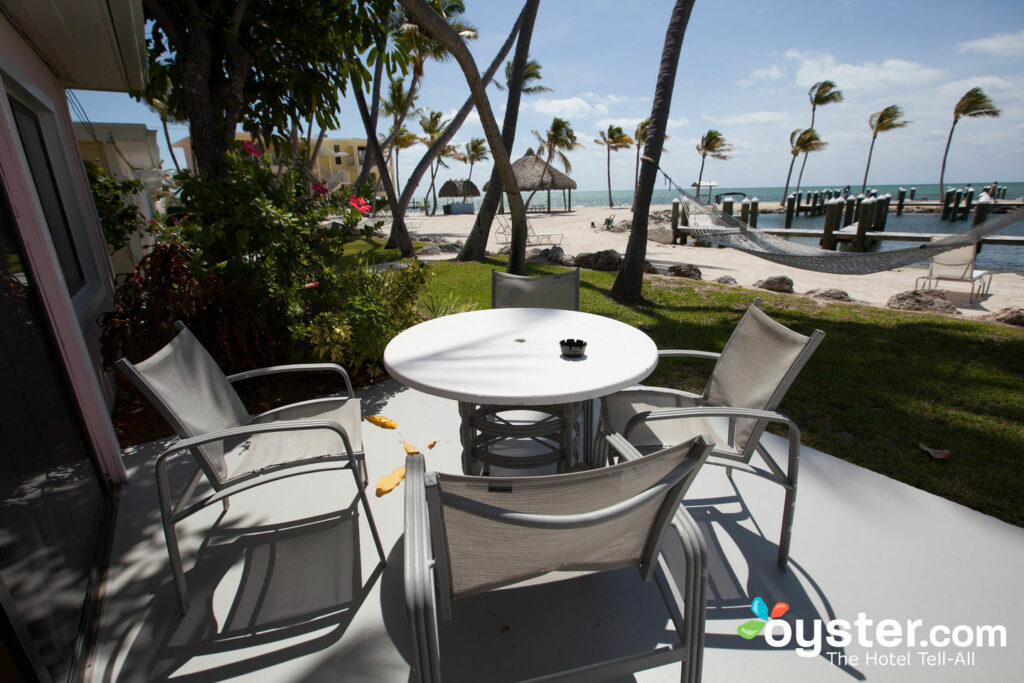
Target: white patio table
[(494, 359)]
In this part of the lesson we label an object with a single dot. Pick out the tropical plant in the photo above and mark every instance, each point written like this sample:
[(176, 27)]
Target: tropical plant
[(440, 305), (801, 141), (612, 139), (404, 139), (973, 104), (628, 285), (889, 118), (715, 145), (553, 144), (531, 75), (820, 94), (476, 151), (119, 218)]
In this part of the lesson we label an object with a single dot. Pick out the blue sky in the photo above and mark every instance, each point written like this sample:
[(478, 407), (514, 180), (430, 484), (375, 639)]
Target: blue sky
[(745, 70)]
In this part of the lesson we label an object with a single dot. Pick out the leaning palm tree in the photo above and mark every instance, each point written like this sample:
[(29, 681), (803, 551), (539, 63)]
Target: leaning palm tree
[(973, 104), (801, 141), (643, 129), (403, 139), (820, 94), (889, 118), (433, 125), (476, 150), (613, 139), (531, 76), (715, 145), (556, 141)]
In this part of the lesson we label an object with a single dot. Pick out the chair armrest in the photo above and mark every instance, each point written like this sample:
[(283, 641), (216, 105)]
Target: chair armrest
[(688, 353), (248, 430), (301, 367), (624, 448), (299, 404), (420, 605)]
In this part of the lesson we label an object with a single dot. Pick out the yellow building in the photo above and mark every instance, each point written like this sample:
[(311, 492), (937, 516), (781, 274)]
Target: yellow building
[(337, 163)]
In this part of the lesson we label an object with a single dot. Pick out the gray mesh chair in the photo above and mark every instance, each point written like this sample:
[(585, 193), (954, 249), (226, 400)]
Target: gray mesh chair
[(522, 437), (559, 290), (957, 265), (234, 450), (466, 535), (751, 375)]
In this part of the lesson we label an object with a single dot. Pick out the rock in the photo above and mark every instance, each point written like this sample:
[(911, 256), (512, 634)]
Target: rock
[(506, 250), (727, 280), (607, 260), (922, 300), (1008, 316), (553, 255), (685, 270), (660, 235), (650, 267), (776, 283), (621, 226), (428, 249), (831, 294)]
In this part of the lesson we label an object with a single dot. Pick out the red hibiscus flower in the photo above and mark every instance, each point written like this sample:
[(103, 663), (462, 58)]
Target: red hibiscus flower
[(250, 147), (359, 204)]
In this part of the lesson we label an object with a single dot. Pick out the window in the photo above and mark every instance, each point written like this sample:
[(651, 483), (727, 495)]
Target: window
[(362, 154), (337, 160), (337, 149), (32, 141)]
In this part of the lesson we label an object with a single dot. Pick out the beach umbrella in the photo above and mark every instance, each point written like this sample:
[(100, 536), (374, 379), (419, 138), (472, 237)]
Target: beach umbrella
[(533, 174)]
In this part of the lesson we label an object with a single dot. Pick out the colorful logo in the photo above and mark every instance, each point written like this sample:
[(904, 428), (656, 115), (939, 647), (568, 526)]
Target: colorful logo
[(752, 628)]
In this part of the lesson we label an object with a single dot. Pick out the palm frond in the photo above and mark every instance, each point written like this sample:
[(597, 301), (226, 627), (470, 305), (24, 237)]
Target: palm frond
[(975, 103)]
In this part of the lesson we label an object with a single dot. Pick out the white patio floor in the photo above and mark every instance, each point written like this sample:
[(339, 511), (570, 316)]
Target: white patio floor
[(286, 587)]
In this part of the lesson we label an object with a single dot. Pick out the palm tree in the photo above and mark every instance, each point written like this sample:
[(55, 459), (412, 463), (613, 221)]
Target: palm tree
[(556, 141), (889, 118), (801, 141), (613, 139), (403, 139), (476, 150), (820, 94), (433, 125), (398, 104), (532, 75), (628, 284), (974, 103), (715, 145)]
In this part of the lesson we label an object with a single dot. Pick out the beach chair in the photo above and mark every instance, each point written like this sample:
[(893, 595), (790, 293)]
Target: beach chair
[(233, 450), (759, 363), (479, 539), (609, 222), (957, 265)]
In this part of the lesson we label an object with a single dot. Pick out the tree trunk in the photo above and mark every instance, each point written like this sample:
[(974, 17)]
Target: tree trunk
[(636, 175), (315, 152), (942, 173), (476, 243), (170, 149), (803, 164), (399, 234), (369, 159), (608, 165), (785, 192), (628, 284), (871, 151), (700, 176)]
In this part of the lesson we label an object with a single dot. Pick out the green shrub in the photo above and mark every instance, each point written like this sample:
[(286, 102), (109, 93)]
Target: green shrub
[(118, 217)]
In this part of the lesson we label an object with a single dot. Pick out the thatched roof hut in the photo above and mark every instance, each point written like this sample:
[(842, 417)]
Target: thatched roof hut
[(532, 174), (458, 188)]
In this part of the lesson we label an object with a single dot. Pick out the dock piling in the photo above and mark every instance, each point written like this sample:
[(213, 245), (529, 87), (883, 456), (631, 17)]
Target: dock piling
[(865, 220), (901, 196), (947, 202), (791, 202), (833, 214), (745, 211), (954, 209), (850, 212), (753, 212)]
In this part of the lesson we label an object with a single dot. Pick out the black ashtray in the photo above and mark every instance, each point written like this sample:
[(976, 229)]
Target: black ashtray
[(573, 348)]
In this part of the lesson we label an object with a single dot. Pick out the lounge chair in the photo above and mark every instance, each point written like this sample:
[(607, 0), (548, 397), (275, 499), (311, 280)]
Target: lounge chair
[(466, 536), (751, 376), (957, 265), (503, 235), (233, 450)]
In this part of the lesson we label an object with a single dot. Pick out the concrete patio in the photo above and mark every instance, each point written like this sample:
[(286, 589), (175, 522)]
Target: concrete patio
[(285, 586)]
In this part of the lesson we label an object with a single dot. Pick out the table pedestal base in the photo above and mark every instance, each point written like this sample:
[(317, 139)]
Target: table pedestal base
[(520, 437)]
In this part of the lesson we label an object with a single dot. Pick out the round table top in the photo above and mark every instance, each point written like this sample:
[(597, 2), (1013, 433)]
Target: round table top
[(511, 356)]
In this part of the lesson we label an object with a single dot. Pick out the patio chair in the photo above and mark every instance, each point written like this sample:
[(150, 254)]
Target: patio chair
[(468, 535), (559, 290), (957, 265), (751, 376), (233, 450)]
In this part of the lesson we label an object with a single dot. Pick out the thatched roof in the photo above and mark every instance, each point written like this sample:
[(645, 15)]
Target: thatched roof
[(458, 188), (529, 171)]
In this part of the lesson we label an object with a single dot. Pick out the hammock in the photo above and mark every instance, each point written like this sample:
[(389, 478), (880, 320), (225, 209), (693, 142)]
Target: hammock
[(708, 223)]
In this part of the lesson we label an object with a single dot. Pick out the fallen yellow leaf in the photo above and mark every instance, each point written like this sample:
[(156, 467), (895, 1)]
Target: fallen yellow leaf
[(431, 444), (409, 448), (382, 421), (387, 484)]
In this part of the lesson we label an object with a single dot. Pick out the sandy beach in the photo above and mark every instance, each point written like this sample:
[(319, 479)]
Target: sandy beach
[(578, 237)]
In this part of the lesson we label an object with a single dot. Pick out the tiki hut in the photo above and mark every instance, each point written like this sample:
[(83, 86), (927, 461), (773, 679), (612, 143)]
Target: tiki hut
[(532, 175), (458, 188)]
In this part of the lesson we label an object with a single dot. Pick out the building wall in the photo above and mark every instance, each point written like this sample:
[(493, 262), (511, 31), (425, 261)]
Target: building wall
[(25, 78)]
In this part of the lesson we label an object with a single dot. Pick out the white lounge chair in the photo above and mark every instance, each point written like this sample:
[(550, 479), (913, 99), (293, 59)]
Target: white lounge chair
[(957, 265), (466, 535), (503, 235)]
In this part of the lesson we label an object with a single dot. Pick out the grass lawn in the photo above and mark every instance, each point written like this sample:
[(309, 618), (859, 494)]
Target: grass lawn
[(372, 250), (881, 382)]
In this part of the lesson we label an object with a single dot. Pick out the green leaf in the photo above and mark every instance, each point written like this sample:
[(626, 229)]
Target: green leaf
[(242, 236), (750, 629)]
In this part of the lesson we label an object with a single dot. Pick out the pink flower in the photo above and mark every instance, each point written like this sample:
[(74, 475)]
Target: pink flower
[(319, 188), (312, 285), (359, 204), (250, 147), (152, 221)]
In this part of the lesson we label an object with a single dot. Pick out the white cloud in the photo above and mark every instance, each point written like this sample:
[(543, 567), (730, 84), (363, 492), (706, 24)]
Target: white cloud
[(1002, 44), (748, 117), (989, 84), (567, 108), (866, 76), (771, 73), (612, 98)]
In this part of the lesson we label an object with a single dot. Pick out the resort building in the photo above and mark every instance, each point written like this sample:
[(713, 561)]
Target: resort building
[(338, 161), (126, 151)]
